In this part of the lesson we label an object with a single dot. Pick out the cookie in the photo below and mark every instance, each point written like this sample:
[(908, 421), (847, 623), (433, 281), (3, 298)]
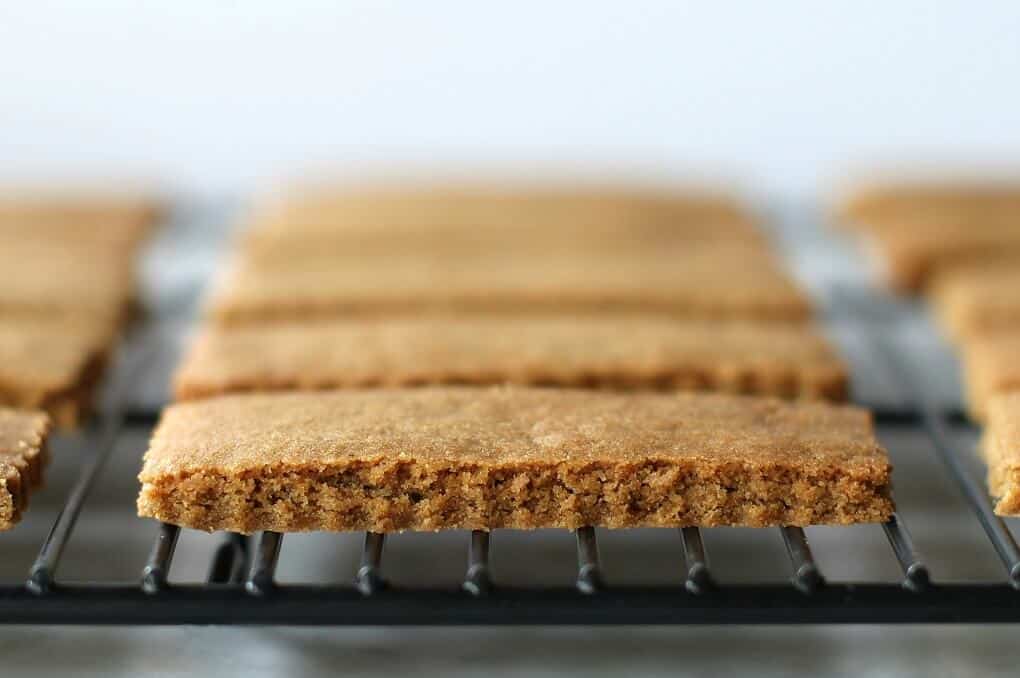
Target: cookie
[(990, 367), (338, 208), (1000, 447), (23, 454), (470, 458), (111, 219), (53, 365), (718, 280), (602, 350), (915, 252), (978, 298), (898, 203), (50, 280)]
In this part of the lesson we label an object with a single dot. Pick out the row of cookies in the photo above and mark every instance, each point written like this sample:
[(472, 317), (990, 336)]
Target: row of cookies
[(480, 358), (959, 242), (66, 288)]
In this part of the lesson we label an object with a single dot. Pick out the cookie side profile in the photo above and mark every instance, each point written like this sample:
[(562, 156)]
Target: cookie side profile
[(1000, 447), (469, 458), (23, 454)]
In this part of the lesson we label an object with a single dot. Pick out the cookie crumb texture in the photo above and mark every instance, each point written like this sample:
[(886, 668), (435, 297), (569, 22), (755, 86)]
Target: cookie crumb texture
[(23, 454), (445, 458), (1000, 447)]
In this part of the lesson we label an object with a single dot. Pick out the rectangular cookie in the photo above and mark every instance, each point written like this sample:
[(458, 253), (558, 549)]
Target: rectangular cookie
[(113, 219), (53, 365), (921, 248), (1000, 446), (900, 202), (536, 237), (978, 298), (338, 208), (603, 350), (507, 457), (990, 367), (52, 279), (23, 454), (720, 281)]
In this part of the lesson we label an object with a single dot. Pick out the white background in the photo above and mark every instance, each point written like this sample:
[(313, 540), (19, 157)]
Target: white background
[(217, 96)]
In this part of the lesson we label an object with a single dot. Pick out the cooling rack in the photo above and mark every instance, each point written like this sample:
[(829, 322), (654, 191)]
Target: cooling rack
[(241, 587)]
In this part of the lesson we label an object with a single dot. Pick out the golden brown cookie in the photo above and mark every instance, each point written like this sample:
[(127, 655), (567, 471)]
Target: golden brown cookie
[(1000, 447), (711, 280), (990, 367), (117, 220), (459, 457), (603, 350), (53, 365), (919, 249), (978, 298), (338, 208), (58, 280), (899, 203), (23, 454)]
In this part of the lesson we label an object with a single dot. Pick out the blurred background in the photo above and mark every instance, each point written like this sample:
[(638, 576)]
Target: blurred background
[(219, 97), (215, 101)]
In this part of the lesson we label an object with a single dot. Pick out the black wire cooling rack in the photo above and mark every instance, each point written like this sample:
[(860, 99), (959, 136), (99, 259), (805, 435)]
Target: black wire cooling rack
[(241, 589)]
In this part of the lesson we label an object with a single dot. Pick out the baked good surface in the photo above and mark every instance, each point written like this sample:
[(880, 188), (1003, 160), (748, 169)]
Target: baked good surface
[(894, 204), (978, 298), (332, 208), (112, 219), (455, 457), (920, 248), (990, 366), (601, 350), (23, 454), (721, 280), (43, 279), (1000, 447), (52, 365)]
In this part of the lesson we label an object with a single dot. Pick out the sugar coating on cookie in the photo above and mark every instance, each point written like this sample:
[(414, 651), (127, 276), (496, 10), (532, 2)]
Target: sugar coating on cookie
[(470, 458)]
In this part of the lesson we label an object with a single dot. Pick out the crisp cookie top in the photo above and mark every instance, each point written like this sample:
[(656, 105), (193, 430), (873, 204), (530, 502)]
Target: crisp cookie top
[(496, 426), (493, 348)]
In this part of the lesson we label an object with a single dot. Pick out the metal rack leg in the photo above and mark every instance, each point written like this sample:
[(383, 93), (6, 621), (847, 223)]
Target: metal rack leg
[(477, 581), (369, 577), (699, 578), (589, 568), (806, 575), (154, 576)]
